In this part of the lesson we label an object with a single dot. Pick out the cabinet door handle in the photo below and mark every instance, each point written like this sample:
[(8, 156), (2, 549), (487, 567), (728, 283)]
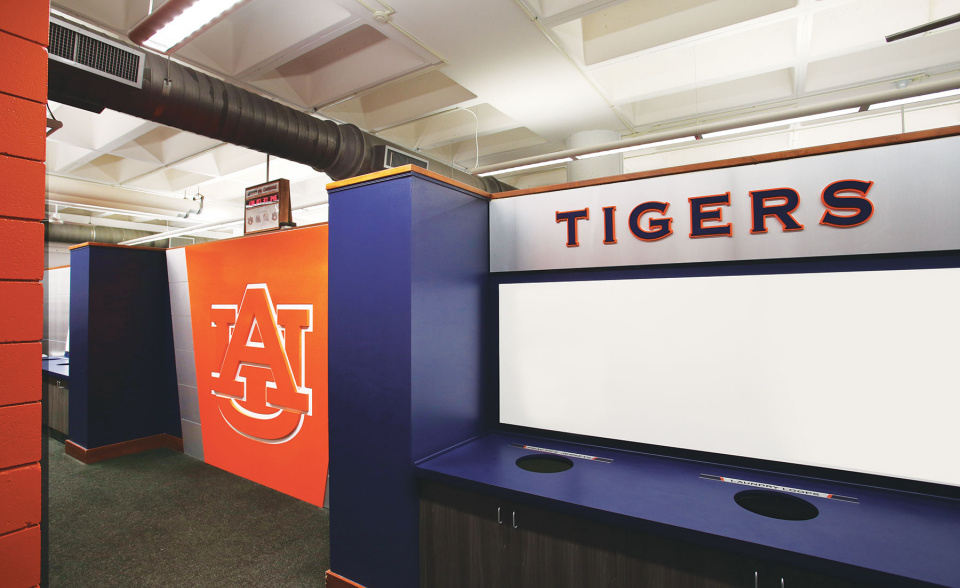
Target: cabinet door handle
[(514, 518), (499, 518), (755, 579)]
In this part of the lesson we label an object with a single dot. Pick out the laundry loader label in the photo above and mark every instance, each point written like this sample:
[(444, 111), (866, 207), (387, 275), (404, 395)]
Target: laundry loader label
[(260, 385)]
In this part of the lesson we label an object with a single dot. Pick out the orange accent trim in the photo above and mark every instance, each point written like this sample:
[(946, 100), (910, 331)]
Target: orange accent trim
[(46, 269), (94, 244), (403, 169), (338, 581), (96, 454), (748, 160)]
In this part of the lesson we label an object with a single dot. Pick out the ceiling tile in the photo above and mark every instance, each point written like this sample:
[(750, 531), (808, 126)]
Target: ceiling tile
[(262, 31), (450, 126), (399, 102), (638, 25), (741, 93), (119, 15), (350, 63), (928, 53)]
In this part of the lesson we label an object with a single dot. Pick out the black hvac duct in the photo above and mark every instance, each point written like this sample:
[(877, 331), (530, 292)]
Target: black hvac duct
[(189, 100)]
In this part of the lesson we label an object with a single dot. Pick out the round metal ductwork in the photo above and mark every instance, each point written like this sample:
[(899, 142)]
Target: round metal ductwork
[(73, 234)]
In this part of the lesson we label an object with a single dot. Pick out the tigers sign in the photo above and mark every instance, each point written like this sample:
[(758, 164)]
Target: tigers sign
[(259, 307)]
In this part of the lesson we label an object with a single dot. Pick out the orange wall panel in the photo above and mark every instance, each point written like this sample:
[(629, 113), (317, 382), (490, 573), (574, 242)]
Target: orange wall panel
[(26, 18), (19, 434), (23, 70), (20, 558), (20, 366), (259, 314), (22, 319), (21, 250), (20, 489), (23, 192), (24, 124)]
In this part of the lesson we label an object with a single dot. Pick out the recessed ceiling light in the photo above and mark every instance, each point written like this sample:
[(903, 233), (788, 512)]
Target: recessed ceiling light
[(177, 21)]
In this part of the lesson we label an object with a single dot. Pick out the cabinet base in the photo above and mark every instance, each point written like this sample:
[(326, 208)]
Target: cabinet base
[(123, 448)]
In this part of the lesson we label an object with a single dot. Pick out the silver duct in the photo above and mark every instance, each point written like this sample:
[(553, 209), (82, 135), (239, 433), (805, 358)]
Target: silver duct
[(73, 234)]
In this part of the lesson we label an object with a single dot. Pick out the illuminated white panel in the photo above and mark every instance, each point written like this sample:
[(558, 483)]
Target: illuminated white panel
[(854, 371)]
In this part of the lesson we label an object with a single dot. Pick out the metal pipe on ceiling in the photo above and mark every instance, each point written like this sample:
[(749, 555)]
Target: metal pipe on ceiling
[(704, 125)]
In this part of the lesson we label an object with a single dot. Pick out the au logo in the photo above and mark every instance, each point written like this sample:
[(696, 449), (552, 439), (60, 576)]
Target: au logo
[(260, 386)]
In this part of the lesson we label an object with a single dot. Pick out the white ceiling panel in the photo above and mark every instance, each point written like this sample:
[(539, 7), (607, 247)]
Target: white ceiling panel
[(924, 54), (638, 25), (259, 33), (741, 93), (399, 102), (119, 15), (111, 169), (169, 180), (451, 126), (864, 23), (352, 62)]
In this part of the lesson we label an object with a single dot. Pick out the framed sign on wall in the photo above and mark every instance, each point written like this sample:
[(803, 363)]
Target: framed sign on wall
[(266, 207)]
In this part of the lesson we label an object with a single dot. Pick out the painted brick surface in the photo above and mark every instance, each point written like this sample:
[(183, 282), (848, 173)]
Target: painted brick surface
[(20, 506), (26, 18), (23, 69), (21, 250), (24, 128), (20, 558), (20, 369), (22, 195), (19, 434), (22, 316)]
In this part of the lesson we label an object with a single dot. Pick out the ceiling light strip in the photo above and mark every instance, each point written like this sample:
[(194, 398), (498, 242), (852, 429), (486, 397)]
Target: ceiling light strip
[(177, 21), (914, 99)]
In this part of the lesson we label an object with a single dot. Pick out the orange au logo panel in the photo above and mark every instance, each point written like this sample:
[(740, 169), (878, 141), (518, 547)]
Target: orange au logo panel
[(259, 313)]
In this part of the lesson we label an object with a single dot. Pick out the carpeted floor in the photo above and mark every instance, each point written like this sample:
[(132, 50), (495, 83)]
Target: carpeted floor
[(163, 519)]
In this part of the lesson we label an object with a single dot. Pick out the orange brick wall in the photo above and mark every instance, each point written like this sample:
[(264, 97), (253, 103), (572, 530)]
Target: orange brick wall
[(23, 93)]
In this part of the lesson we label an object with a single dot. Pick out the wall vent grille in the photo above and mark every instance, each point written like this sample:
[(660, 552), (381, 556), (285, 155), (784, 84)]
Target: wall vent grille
[(387, 157), (72, 45)]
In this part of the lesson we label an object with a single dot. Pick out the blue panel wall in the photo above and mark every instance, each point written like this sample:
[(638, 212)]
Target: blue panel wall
[(408, 272), (122, 356), (79, 344), (450, 275)]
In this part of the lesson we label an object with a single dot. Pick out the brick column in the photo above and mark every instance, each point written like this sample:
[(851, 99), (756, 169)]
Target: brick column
[(23, 94)]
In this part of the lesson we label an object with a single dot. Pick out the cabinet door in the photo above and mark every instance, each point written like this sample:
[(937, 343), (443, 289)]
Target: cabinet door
[(779, 576), (557, 550), (653, 560), (462, 543)]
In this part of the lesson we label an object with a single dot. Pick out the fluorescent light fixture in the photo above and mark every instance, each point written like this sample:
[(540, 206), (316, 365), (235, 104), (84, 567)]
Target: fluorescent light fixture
[(903, 101), (636, 147), (177, 20), (528, 166), (780, 123)]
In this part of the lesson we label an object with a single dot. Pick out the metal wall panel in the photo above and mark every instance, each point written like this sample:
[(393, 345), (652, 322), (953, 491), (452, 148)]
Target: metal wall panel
[(183, 350), (913, 193)]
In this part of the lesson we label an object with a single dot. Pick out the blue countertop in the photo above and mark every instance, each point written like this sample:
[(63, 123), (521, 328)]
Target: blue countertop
[(56, 366), (908, 535)]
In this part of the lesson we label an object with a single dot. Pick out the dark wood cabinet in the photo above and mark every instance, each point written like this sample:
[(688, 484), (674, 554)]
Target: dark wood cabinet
[(474, 540)]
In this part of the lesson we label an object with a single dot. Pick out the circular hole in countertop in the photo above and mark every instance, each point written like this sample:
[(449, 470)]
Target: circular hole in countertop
[(776, 505), (544, 464)]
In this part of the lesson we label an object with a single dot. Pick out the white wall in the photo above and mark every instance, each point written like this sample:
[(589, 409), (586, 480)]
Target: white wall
[(854, 371)]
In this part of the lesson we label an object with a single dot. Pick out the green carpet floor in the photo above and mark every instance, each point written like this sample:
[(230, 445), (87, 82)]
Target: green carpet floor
[(163, 519)]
